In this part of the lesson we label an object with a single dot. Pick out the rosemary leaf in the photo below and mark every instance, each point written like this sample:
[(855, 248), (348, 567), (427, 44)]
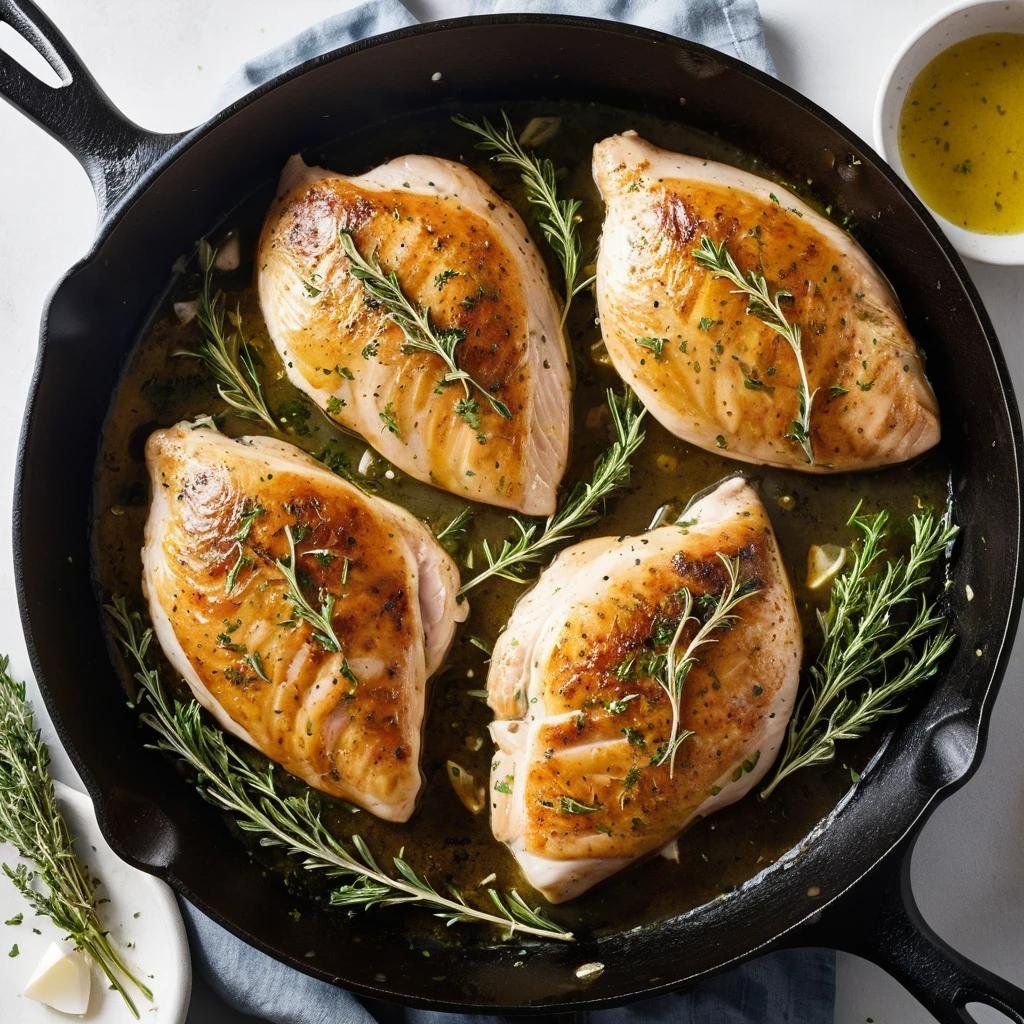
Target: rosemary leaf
[(56, 886), (294, 824), (416, 323), (716, 258), (224, 350), (557, 218), (881, 636), (581, 507)]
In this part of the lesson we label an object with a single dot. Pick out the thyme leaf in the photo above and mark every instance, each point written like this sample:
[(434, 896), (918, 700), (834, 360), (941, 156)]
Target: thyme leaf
[(580, 509), (882, 636), (294, 824), (715, 257)]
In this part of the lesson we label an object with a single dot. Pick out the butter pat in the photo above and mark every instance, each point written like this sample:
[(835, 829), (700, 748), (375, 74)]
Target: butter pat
[(61, 980)]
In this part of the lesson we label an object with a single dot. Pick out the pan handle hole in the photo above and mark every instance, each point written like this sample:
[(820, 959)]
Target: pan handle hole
[(19, 49), (982, 1013)]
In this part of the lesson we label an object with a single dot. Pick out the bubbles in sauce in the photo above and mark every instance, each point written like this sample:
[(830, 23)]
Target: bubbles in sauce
[(961, 133)]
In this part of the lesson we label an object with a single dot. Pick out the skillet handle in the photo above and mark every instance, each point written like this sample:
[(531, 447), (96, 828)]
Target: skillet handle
[(879, 919), (113, 150)]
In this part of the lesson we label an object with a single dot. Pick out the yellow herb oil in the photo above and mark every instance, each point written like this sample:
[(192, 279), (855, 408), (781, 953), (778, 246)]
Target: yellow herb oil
[(962, 133)]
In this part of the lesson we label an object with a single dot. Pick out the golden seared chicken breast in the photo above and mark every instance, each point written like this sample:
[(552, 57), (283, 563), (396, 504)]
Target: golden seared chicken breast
[(716, 364), (642, 683), (466, 263), (305, 615)]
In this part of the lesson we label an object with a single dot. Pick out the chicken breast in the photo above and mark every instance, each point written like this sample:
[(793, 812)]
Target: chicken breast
[(462, 253), (718, 376), (581, 785), (338, 704)]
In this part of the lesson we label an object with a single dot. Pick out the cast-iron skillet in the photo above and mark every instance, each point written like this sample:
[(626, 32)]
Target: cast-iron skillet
[(157, 194)]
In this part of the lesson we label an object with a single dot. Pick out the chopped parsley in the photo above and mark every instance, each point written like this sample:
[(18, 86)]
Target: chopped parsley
[(569, 805), (634, 736), (387, 416), (440, 280), (468, 409), (656, 345), (616, 707)]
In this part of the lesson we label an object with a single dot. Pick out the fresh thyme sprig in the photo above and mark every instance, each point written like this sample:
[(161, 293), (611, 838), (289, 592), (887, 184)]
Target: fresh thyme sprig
[(766, 307), (321, 619), (581, 507), (882, 635), (557, 218), (421, 333), (57, 885), (224, 350), (679, 660), (225, 779)]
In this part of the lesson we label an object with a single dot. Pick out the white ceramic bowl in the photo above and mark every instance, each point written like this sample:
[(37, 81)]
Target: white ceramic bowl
[(961, 21)]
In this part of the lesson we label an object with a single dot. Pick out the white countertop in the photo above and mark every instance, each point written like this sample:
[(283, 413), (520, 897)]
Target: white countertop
[(163, 63)]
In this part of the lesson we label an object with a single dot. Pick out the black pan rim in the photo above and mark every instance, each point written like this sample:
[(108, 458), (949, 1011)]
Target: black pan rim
[(611, 28)]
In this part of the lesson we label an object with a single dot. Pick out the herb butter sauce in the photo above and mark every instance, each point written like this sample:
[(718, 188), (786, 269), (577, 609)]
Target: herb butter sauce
[(961, 133), (444, 841)]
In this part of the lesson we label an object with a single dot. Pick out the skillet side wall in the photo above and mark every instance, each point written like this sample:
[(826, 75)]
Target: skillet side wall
[(155, 820)]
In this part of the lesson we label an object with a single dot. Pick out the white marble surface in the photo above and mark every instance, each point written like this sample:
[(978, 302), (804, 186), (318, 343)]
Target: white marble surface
[(163, 62)]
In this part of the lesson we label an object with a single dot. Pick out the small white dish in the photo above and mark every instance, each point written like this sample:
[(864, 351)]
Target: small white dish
[(158, 954), (953, 25)]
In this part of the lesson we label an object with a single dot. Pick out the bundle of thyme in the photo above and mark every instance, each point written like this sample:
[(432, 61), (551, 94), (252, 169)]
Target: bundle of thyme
[(557, 218), (882, 635), (224, 350), (580, 509), (56, 886), (292, 823)]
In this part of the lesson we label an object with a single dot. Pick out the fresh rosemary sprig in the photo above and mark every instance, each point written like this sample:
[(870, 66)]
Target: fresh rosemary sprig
[(225, 779), (456, 528), (679, 660), (57, 885), (881, 637), (421, 334), (224, 350), (580, 508), (766, 307), (557, 218), (321, 619)]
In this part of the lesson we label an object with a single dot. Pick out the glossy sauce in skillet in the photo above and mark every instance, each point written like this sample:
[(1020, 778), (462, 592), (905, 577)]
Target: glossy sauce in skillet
[(443, 840)]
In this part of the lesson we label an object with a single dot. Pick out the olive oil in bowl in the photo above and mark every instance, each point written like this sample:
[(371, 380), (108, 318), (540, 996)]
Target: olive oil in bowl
[(961, 133)]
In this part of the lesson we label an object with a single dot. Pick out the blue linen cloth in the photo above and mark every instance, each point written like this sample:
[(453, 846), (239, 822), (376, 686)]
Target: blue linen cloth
[(787, 987)]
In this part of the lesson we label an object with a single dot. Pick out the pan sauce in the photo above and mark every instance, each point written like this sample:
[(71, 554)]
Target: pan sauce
[(443, 840)]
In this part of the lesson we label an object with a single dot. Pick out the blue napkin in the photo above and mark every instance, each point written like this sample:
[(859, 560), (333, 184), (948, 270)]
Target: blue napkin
[(787, 987)]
